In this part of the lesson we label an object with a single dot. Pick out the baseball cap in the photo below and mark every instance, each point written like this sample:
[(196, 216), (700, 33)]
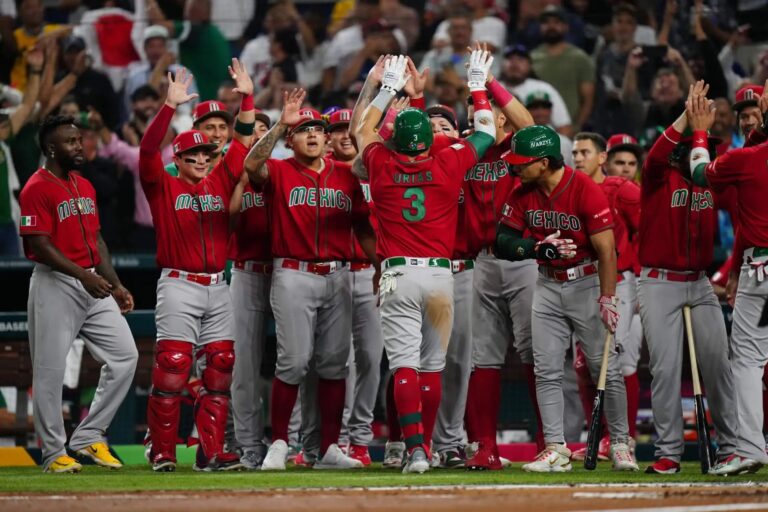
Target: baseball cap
[(623, 142), (192, 139), (747, 97), (309, 117), (538, 99), (210, 108), (341, 117), (154, 31), (532, 143), (553, 11), (517, 49), (264, 118), (445, 112)]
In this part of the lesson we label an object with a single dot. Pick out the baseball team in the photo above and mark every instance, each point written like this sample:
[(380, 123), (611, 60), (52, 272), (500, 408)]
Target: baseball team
[(390, 231)]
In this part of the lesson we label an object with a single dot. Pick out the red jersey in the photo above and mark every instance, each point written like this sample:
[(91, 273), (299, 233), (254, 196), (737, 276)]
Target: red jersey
[(357, 252), (416, 201), (488, 185), (191, 221), (677, 217), (63, 210), (746, 170), (313, 212), (624, 199), (577, 207), (250, 238)]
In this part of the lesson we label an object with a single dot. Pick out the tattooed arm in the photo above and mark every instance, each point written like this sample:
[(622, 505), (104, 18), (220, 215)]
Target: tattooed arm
[(359, 169), (369, 91)]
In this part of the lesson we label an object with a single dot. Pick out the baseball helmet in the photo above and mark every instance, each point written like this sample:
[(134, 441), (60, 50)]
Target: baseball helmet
[(412, 133), (192, 139), (532, 143), (747, 97), (210, 108)]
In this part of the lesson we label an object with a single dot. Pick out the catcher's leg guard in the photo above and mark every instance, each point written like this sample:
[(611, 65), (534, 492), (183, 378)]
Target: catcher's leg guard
[(173, 360), (213, 401)]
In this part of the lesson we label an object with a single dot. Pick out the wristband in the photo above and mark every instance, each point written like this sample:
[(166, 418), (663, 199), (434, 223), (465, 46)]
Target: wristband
[(480, 100), (246, 103), (499, 93), (244, 128), (700, 139), (385, 132), (419, 103)]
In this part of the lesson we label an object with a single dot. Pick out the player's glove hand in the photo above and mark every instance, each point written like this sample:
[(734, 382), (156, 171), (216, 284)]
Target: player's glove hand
[(395, 76), (479, 66), (609, 311), (553, 248)]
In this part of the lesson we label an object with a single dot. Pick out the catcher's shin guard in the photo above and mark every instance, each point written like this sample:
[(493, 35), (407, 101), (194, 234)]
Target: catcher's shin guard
[(212, 404)]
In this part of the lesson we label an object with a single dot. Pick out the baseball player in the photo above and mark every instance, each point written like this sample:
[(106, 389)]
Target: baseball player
[(215, 122), (194, 309), (589, 157), (624, 156), (571, 236), (73, 292), (416, 194), (747, 110), (249, 286), (677, 223), (316, 205), (743, 169)]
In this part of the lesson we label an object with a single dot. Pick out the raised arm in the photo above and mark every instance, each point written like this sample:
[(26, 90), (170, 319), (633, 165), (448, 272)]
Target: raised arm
[(22, 113), (246, 118), (518, 115), (484, 135), (368, 92)]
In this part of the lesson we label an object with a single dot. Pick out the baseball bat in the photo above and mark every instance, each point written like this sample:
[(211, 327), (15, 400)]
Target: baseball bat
[(702, 427), (596, 424)]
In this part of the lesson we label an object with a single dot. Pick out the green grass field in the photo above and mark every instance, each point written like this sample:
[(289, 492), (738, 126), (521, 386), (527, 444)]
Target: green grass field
[(140, 478)]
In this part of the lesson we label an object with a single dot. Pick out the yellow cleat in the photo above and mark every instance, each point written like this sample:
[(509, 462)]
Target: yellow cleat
[(99, 453), (64, 464)]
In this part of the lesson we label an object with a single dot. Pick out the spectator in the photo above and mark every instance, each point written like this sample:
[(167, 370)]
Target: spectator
[(539, 105), (747, 109), (227, 96), (454, 55), (703, 59), (516, 76), (7, 40), (32, 30), (231, 17), (145, 102), (378, 39), (486, 28), (159, 61), (402, 17), (564, 66), (529, 30), (725, 127)]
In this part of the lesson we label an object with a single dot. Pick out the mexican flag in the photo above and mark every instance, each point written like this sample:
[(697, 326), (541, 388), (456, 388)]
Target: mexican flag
[(29, 221)]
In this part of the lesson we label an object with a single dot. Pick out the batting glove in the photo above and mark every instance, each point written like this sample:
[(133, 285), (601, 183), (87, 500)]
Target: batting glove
[(609, 311), (553, 248), (394, 77), (477, 73)]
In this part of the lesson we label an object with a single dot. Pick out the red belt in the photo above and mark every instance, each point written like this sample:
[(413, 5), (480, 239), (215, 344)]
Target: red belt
[(257, 267), (203, 279), (569, 274), (678, 277), (321, 269), (359, 265)]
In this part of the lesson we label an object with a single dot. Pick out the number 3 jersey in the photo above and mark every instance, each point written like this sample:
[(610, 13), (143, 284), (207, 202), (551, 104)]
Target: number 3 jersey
[(417, 201)]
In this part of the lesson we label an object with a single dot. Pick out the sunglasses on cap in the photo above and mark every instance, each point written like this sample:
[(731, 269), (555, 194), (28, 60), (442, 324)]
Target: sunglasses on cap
[(310, 128)]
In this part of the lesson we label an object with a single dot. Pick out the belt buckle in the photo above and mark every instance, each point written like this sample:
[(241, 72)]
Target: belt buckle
[(571, 273), (214, 278), (455, 266)]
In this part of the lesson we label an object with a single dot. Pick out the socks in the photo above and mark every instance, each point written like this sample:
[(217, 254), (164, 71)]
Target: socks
[(408, 400), (393, 424), (330, 397), (431, 388), (486, 395), (632, 383), (283, 399)]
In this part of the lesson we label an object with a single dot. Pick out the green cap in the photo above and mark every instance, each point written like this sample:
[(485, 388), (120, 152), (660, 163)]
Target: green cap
[(538, 98), (412, 133), (532, 143)]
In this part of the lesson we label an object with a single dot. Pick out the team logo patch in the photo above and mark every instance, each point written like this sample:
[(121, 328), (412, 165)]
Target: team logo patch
[(29, 221), (749, 94)]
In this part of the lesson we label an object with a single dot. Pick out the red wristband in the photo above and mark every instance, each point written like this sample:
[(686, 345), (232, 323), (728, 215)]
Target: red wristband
[(419, 103), (500, 95), (385, 132), (480, 100), (700, 139), (246, 103)]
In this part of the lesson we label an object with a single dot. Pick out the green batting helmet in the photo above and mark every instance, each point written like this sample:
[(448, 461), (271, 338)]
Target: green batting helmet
[(532, 143), (413, 132)]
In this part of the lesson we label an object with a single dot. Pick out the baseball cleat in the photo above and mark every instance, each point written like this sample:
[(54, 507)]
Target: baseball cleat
[(164, 466), (334, 458), (486, 458), (304, 459), (99, 453), (556, 458), (276, 455), (451, 459), (417, 462), (735, 465), (664, 466), (394, 451), (623, 460), (63, 464), (253, 457), (603, 451), (360, 453), (505, 463), (220, 462)]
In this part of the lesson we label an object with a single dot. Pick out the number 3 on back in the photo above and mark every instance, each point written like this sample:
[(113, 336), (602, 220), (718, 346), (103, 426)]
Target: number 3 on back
[(417, 211)]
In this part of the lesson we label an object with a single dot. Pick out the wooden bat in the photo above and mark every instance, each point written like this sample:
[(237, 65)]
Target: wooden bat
[(702, 427), (596, 424)]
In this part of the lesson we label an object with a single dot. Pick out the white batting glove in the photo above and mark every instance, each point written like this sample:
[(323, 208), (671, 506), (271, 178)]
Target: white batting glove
[(479, 65), (394, 77), (553, 247)]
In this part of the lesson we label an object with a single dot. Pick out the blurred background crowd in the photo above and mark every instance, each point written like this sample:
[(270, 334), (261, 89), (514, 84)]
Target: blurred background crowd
[(596, 65)]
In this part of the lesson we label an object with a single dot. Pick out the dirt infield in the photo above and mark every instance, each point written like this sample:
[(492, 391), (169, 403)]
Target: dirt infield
[(658, 498)]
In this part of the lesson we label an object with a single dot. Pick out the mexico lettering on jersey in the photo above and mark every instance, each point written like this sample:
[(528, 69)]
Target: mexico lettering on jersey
[(250, 236), (313, 212), (677, 218), (65, 211), (416, 201), (624, 199), (577, 207), (192, 221)]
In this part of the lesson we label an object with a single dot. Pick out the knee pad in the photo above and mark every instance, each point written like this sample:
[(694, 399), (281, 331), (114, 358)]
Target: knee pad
[(173, 360), (219, 361)]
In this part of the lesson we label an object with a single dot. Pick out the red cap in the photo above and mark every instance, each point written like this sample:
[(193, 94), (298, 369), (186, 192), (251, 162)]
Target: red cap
[(192, 139), (445, 112), (309, 116), (210, 108), (624, 142), (747, 96), (340, 117)]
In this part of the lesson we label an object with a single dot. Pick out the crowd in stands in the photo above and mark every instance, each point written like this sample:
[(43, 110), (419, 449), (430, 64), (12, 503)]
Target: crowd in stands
[(577, 65)]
